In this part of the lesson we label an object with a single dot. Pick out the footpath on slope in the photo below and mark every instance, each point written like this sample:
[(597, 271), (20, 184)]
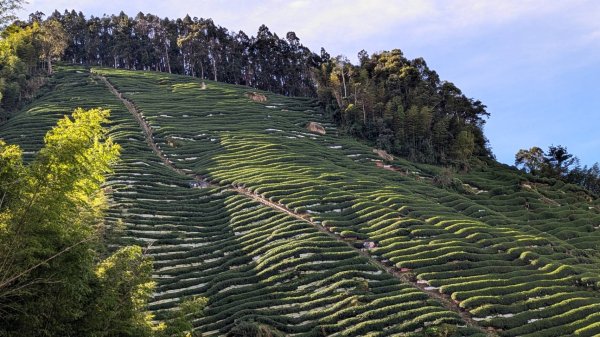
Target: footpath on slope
[(445, 300)]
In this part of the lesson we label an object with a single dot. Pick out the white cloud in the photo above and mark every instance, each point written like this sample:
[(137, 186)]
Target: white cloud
[(339, 24), (299, 4)]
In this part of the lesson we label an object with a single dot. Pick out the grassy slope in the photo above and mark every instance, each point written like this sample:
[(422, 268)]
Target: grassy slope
[(527, 271)]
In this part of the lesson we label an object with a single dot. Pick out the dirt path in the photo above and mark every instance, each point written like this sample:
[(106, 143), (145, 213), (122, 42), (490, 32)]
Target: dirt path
[(146, 128), (404, 277), (445, 300)]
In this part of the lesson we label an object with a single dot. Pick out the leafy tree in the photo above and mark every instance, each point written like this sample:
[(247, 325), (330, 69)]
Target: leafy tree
[(18, 66), (532, 160), (554, 163), (122, 287), (50, 219), (558, 163), (122, 45), (52, 41), (587, 177), (53, 279), (559, 160), (463, 146), (191, 44)]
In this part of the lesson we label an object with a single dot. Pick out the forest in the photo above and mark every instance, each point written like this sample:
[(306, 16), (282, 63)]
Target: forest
[(398, 104)]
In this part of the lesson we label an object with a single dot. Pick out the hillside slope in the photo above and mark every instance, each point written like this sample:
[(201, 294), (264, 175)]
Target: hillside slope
[(276, 236)]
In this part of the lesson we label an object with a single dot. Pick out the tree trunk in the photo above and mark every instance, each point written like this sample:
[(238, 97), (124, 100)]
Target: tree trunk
[(214, 66), (167, 59), (49, 63), (338, 98), (344, 81), (364, 113)]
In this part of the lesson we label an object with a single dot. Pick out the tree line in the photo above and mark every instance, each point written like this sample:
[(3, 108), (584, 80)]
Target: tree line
[(398, 104), (190, 46), (558, 163)]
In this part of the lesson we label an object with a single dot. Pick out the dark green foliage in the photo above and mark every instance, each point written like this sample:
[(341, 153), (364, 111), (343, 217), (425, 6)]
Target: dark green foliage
[(586, 177), (26, 54), (120, 291), (190, 46), (48, 225), (402, 106), (557, 163)]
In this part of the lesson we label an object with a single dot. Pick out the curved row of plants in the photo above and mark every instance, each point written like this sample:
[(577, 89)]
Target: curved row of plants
[(500, 249), (256, 264), (251, 262)]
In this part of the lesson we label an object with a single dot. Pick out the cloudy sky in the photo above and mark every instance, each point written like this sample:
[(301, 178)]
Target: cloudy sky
[(535, 64)]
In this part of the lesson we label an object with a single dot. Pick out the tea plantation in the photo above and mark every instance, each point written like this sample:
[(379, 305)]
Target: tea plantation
[(315, 234)]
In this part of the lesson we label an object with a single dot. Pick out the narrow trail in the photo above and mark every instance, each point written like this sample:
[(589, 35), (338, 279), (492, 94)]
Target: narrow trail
[(445, 300)]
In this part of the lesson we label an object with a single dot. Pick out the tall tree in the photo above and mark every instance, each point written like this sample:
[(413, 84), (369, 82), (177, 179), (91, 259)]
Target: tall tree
[(49, 224), (19, 58), (559, 160), (463, 147), (53, 41), (193, 43), (531, 160)]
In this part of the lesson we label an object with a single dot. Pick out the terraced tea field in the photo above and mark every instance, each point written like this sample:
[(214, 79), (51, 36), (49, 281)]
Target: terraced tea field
[(315, 234)]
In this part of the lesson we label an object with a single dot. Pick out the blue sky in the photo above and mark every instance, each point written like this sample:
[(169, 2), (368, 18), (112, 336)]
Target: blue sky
[(535, 64)]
